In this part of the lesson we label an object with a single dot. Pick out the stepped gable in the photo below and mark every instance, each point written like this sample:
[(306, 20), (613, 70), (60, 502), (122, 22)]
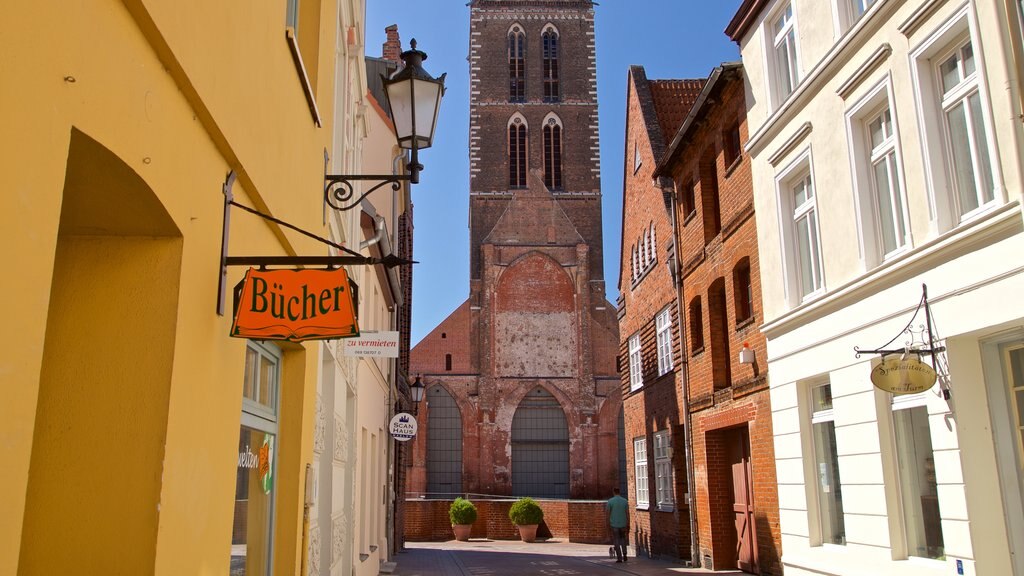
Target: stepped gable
[(533, 216)]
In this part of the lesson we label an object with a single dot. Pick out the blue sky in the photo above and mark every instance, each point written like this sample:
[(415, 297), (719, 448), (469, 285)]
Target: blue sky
[(670, 38)]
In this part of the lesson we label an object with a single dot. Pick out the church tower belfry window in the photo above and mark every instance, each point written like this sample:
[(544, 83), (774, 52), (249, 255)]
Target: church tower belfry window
[(517, 152), (553, 153), (516, 64), (549, 41)]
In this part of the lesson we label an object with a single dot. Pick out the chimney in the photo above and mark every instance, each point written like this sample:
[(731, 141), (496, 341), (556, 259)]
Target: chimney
[(393, 47)]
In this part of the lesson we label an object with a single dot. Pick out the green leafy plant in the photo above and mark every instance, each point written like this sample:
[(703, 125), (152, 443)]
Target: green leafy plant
[(462, 512), (525, 512)]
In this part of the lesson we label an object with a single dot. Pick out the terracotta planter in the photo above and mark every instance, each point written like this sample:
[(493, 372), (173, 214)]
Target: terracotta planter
[(462, 531), (528, 533)]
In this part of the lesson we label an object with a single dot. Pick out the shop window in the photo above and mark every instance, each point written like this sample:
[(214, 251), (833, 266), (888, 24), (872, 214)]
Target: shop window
[(918, 488), (827, 484), (253, 527)]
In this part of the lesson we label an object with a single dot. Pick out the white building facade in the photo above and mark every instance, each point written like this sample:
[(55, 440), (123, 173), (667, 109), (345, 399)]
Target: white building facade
[(886, 144)]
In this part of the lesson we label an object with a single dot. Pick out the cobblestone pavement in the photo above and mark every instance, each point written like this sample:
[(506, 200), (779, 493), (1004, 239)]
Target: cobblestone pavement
[(552, 557)]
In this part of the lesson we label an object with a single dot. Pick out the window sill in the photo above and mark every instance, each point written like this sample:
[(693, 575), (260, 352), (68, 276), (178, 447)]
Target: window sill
[(689, 217), (697, 351), (666, 508), (732, 167), (643, 507), (744, 323), (307, 88)]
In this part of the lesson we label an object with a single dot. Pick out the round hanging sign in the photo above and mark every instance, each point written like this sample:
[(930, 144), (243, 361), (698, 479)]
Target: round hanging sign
[(903, 374), (403, 426)]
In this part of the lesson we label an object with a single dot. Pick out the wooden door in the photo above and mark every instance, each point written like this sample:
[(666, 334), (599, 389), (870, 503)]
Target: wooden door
[(743, 500)]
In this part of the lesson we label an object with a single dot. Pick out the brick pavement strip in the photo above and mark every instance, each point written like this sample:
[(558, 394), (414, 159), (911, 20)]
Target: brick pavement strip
[(514, 558)]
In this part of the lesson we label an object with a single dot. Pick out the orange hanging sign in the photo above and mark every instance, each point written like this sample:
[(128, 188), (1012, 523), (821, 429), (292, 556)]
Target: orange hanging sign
[(295, 305)]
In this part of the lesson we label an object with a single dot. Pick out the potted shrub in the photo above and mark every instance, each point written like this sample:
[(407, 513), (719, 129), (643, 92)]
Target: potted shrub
[(526, 514), (462, 513)]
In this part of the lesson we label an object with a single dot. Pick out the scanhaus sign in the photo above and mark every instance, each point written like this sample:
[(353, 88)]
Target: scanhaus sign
[(295, 305)]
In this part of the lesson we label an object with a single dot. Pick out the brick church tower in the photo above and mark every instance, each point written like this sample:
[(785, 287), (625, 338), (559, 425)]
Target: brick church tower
[(523, 395)]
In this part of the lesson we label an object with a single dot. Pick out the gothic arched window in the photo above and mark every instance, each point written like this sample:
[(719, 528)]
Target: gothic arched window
[(444, 445), (517, 153), (549, 41), (553, 153), (540, 447), (516, 64)]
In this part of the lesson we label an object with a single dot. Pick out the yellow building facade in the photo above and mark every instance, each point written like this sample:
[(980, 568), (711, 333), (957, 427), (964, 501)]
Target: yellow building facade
[(136, 436)]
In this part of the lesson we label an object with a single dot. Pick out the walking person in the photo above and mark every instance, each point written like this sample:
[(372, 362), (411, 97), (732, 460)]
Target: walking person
[(618, 520)]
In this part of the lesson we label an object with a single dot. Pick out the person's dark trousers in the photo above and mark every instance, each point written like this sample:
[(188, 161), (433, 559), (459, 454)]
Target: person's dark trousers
[(619, 543)]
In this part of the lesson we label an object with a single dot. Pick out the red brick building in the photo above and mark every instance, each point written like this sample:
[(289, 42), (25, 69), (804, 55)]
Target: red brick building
[(648, 320), (522, 388), (724, 401)]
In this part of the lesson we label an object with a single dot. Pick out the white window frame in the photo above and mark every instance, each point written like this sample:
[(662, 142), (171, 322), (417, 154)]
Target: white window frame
[(637, 160), (664, 482), (925, 60), (863, 158), (772, 41), (799, 171), (636, 369), (896, 404), (643, 489), (848, 13), (663, 328), (813, 486)]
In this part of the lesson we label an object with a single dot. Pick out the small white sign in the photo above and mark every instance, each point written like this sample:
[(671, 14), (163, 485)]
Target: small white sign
[(403, 426), (373, 344)]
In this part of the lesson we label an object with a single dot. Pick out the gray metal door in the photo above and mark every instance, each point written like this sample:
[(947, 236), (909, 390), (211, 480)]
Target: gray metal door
[(540, 447), (444, 445)]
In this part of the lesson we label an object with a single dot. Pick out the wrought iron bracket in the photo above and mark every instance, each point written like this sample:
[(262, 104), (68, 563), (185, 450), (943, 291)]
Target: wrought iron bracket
[(339, 189), (917, 341), (347, 258)]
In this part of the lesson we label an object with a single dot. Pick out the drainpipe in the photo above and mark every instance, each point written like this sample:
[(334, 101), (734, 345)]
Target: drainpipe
[(379, 224), (668, 187)]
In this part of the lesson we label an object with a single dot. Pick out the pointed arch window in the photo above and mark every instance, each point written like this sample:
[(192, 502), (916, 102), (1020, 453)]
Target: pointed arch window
[(517, 153), (540, 447), (549, 41), (444, 445), (516, 64), (553, 154)]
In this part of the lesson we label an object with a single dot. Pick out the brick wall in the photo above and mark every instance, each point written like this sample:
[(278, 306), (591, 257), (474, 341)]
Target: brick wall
[(573, 520)]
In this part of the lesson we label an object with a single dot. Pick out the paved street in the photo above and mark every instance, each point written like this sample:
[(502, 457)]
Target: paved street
[(553, 557)]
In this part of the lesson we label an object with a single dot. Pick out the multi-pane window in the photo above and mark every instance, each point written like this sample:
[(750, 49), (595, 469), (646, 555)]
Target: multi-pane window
[(636, 370), (918, 489), (549, 42), (696, 325), (806, 248), (742, 292), (252, 533), (663, 325), (517, 153), (516, 65), (637, 160), (646, 255), (966, 142), (787, 74), (444, 445), (886, 193), (663, 469), (553, 155), (826, 466), (643, 491)]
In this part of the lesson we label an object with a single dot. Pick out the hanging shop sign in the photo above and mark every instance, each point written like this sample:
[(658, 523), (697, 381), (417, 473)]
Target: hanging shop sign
[(903, 374), (295, 305), (403, 426), (373, 344)]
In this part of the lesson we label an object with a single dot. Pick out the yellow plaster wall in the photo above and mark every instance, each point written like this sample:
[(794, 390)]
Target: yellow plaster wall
[(181, 92)]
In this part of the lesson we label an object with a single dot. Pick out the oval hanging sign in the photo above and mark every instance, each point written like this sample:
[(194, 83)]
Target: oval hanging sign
[(403, 426), (903, 374)]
